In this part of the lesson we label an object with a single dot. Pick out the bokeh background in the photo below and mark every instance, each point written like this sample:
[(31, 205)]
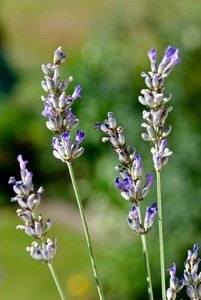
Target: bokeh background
[(106, 42)]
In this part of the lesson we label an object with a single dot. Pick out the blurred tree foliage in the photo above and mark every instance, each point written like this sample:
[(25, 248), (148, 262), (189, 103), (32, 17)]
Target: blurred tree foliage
[(107, 64)]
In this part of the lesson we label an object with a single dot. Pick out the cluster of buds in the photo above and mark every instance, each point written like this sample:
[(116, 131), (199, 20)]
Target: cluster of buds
[(45, 253), (153, 97), (57, 106), (131, 171), (134, 220), (160, 157), (190, 278), (175, 284), (28, 201)]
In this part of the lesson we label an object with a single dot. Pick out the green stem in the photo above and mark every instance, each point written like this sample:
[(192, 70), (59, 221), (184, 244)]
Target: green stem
[(54, 275), (146, 259), (56, 281), (160, 231), (91, 253)]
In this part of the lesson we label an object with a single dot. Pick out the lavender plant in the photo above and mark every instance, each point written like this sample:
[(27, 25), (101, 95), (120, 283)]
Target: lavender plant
[(57, 107), (62, 121), (190, 278), (153, 98), (131, 171), (34, 226)]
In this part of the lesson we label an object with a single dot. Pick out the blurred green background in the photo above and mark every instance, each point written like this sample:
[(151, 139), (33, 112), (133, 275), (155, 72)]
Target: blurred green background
[(106, 43)]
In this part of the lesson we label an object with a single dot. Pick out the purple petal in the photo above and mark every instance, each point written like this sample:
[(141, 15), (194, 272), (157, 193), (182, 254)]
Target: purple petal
[(175, 59), (149, 179), (79, 137), (69, 115), (76, 94), (65, 136), (134, 211), (137, 161), (22, 162), (152, 54), (172, 271), (162, 145), (47, 111), (169, 52), (128, 183), (119, 184), (55, 143)]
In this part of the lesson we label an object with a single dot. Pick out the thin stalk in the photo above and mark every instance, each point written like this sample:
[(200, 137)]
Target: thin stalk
[(54, 275), (160, 232), (89, 244), (56, 281), (146, 259)]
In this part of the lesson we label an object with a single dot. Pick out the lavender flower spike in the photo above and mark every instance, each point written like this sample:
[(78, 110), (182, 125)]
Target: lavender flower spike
[(28, 201)]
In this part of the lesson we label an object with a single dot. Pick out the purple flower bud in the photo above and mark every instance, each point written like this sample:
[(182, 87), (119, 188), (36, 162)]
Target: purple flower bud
[(65, 136), (149, 179), (193, 255), (79, 137), (128, 183), (174, 60), (169, 52), (56, 143), (137, 169), (133, 220), (59, 57), (149, 217), (152, 54), (119, 184), (76, 94), (134, 212), (111, 120), (162, 145), (22, 162), (172, 271), (12, 180)]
